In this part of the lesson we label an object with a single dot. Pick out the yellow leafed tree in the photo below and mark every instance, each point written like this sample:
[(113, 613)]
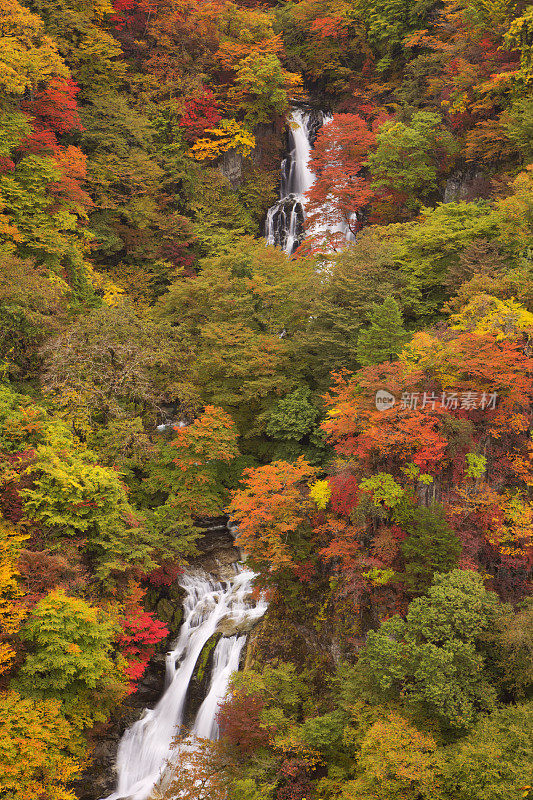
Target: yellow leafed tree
[(515, 535), (230, 135), (487, 314), (27, 56), (12, 610)]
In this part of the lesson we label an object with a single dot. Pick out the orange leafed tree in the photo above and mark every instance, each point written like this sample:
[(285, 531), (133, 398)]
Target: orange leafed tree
[(388, 439), (36, 758), (414, 432), (211, 437), (269, 509), (199, 450), (340, 190)]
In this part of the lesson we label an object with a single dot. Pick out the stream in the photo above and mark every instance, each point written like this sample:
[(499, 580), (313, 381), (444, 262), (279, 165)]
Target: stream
[(145, 752)]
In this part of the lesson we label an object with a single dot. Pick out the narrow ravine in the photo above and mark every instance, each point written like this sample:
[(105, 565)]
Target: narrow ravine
[(210, 606)]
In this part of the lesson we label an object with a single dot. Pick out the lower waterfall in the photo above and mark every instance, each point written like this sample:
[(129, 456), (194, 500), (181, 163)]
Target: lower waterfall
[(145, 750)]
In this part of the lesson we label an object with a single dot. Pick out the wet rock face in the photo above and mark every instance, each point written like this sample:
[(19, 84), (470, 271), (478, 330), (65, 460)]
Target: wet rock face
[(165, 602), (288, 210), (101, 781), (199, 685), (217, 547), (230, 166), (316, 120), (266, 153)]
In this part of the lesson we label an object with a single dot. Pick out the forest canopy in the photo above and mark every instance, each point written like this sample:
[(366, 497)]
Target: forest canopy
[(360, 408)]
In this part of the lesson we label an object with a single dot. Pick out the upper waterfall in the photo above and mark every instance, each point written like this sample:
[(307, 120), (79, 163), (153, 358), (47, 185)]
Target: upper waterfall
[(297, 178), (284, 225), (285, 220)]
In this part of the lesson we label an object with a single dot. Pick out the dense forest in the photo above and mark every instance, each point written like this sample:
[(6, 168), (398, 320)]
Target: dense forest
[(359, 406)]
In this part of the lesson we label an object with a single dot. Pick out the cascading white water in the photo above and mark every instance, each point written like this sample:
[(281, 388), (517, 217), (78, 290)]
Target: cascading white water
[(300, 177), (225, 662), (146, 747), (285, 221)]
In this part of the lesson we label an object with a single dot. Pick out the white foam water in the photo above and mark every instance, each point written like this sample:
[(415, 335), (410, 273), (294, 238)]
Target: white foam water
[(146, 748), (285, 220)]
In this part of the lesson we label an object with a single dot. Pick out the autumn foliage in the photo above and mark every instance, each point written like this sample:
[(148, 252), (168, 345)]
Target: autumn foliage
[(357, 415), (141, 632), (341, 191), (239, 719), (269, 511)]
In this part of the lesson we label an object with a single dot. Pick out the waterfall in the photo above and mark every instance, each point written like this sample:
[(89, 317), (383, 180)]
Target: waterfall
[(145, 750), (225, 662), (285, 221)]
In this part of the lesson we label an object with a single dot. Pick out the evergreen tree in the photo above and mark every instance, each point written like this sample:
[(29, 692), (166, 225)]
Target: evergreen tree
[(385, 337), (431, 547)]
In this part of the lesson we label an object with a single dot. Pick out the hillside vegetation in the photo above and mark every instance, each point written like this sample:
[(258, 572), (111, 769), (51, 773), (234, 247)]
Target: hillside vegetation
[(140, 147)]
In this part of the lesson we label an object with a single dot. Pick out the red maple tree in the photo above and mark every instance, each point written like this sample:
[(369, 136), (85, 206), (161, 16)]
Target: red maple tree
[(341, 189)]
